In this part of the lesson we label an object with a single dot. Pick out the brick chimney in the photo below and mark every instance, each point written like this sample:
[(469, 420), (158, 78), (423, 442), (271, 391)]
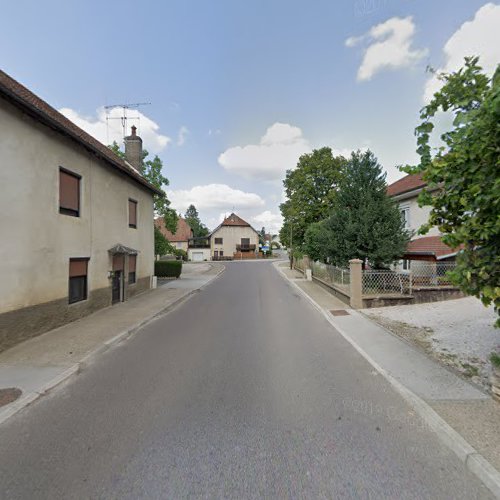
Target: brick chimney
[(133, 149)]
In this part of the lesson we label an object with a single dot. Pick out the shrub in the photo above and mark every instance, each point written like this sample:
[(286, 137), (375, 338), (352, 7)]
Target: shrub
[(168, 268), (495, 359), (181, 254)]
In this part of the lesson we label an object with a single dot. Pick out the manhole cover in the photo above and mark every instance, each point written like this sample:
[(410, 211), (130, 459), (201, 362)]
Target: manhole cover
[(339, 312), (9, 395)]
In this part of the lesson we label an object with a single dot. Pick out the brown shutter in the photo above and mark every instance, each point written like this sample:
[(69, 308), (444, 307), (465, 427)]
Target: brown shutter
[(132, 261), (69, 191), (77, 267), (118, 262), (132, 213)]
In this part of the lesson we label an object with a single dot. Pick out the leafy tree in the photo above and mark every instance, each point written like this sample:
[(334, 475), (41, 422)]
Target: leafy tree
[(310, 189), (463, 178), (193, 219), (151, 170), (317, 241), (365, 223), (162, 245)]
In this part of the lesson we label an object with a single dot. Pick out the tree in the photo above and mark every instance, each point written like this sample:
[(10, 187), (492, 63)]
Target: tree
[(310, 189), (151, 170), (317, 241), (262, 236), (463, 178), (162, 245), (193, 219), (365, 223)]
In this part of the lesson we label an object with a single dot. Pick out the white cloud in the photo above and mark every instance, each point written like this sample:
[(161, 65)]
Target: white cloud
[(479, 37), (390, 47), (278, 150), (271, 221), (181, 137), (107, 127), (214, 196)]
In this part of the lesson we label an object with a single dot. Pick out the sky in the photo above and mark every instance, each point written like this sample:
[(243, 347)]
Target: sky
[(237, 90)]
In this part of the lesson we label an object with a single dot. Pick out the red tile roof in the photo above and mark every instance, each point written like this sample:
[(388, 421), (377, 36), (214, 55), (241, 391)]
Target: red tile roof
[(408, 183), (183, 233), (429, 245), (23, 98), (234, 220)]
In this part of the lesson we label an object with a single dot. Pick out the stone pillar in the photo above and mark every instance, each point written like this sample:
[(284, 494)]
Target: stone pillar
[(356, 283)]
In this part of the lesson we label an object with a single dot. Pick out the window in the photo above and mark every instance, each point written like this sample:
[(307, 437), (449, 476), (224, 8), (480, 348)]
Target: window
[(245, 242), (218, 241), (221, 254), (216, 253), (405, 215), (132, 213), (406, 265), (69, 193), (132, 262), (178, 245), (77, 280)]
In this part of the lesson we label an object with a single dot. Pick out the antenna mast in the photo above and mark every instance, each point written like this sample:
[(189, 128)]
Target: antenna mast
[(124, 118)]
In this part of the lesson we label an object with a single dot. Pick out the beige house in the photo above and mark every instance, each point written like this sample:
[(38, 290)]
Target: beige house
[(234, 238), (76, 221), (421, 248), (182, 235)]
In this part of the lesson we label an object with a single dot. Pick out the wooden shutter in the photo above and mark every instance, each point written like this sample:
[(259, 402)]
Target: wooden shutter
[(69, 191), (118, 262), (77, 267), (132, 213), (132, 261)]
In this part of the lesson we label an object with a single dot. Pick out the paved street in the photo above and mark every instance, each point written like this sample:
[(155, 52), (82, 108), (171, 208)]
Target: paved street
[(243, 391)]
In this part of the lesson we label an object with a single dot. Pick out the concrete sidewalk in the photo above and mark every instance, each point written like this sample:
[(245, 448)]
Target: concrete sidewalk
[(462, 415), (41, 363)]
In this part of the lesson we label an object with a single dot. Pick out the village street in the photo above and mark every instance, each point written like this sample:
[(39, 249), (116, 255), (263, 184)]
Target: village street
[(243, 391)]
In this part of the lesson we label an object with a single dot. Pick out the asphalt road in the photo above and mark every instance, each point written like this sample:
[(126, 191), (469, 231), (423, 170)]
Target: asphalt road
[(244, 391)]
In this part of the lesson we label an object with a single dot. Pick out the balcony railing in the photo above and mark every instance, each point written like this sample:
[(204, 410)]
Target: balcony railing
[(198, 243), (245, 248)]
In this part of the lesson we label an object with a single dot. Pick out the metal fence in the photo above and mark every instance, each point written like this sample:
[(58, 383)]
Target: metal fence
[(386, 283), (431, 274), (331, 274)]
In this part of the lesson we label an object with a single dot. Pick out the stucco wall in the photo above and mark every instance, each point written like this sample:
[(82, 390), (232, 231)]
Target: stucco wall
[(37, 241), (418, 217), (231, 236)]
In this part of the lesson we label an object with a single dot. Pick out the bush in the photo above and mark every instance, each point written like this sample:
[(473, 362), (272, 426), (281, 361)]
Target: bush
[(269, 253), (181, 254), (168, 268)]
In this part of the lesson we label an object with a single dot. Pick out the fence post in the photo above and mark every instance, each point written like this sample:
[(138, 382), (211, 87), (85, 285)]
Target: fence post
[(356, 283), (306, 262)]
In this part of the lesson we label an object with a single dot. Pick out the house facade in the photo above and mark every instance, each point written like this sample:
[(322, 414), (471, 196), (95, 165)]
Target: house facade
[(76, 221), (421, 248), (182, 235), (232, 239)]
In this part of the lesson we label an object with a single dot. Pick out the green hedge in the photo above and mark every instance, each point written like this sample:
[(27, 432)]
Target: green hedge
[(168, 268)]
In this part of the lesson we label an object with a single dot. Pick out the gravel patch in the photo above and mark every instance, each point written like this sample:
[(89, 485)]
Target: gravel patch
[(459, 333)]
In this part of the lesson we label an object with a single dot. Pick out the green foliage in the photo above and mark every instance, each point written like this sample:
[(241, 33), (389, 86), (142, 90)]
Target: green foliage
[(463, 181), (495, 359), (193, 219), (162, 245), (365, 223), (262, 236), (151, 170), (168, 268), (310, 189), (317, 241), (181, 254), (275, 244)]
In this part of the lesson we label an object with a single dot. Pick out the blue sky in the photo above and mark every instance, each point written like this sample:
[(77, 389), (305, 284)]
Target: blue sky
[(239, 89)]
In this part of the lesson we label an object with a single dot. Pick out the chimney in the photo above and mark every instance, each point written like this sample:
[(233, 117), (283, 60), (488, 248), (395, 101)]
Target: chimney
[(133, 149)]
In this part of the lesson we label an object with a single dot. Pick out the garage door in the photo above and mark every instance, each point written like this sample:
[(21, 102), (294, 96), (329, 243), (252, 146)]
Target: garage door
[(197, 256)]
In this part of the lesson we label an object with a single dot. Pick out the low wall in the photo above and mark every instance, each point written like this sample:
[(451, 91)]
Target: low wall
[(337, 292), (418, 296)]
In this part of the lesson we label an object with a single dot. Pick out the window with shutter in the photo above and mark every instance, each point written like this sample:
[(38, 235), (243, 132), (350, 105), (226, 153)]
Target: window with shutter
[(77, 289), (132, 213), (132, 263), (69, 193)]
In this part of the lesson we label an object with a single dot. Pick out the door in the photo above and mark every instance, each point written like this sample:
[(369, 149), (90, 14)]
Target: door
[(116, 287), (117, 291), (197, 256)]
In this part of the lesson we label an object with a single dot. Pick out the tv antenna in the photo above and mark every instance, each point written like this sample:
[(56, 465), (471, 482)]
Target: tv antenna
[(124, 117)]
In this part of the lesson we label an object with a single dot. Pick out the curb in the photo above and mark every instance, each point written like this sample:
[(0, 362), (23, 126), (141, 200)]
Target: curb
[(31, 397), (467, 454)]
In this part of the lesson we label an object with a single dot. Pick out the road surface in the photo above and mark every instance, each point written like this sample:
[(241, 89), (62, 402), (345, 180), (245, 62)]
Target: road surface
[(243, 391)]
